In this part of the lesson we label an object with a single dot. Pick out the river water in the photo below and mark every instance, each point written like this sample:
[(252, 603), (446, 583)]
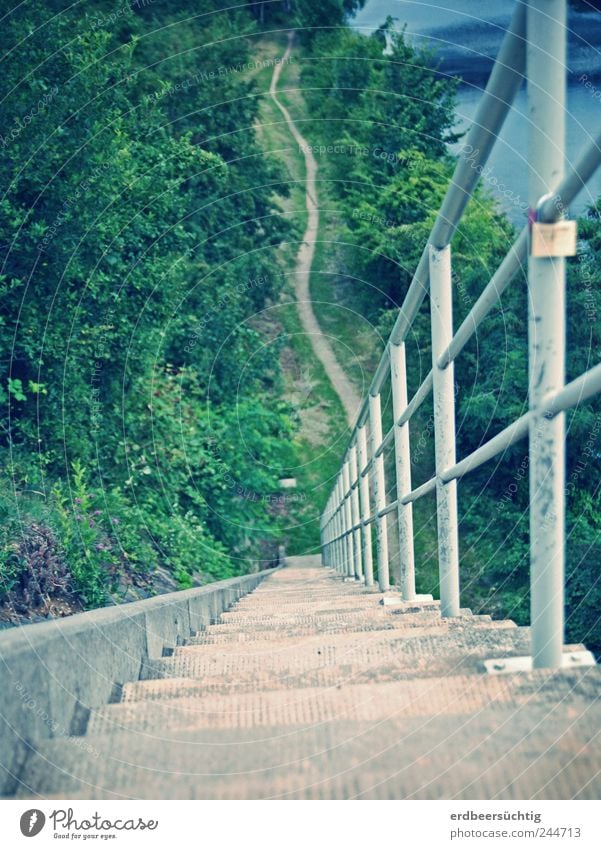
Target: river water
[(466, 35)]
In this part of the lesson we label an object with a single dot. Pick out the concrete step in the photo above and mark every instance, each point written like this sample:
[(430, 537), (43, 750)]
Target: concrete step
[(313, 587), (258, 623), (430, 654), (339, 675), (333, 589), (264, 645), (375, 702), (217, 635), (334, 598), (507, 751), (326, 608)]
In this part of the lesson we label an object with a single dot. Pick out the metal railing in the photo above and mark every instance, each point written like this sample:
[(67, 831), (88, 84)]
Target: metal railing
[(534, 48)]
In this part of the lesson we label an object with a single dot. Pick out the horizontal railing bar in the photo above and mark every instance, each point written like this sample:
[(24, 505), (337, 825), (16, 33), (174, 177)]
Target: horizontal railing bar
[(418, 399), (356, 527), (512, 434), (382, 370), (424, 489), (580, 389), (512, 263), (574, 181), (503, 440), (362, 417), (410, 409), (386, 441), (342, 535), (413, 301), (388, 509), (369, 521)]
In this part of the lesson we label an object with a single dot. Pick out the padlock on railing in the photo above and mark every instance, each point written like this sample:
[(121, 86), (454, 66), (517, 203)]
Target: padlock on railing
[(551, 239)]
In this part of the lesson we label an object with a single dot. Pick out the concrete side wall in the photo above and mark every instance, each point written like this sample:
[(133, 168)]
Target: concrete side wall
[(52, 673)]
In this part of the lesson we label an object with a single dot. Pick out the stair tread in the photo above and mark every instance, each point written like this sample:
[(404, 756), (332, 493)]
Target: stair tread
[(510, 752), (409, 698)]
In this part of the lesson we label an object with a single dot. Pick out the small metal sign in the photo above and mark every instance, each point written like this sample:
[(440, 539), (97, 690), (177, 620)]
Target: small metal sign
[(553, 240)]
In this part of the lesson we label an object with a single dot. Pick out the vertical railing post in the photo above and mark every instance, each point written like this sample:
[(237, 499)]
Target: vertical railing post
[(331, 532), (348, 521), (398, 376), (340, 549), (355, 513), (323, 536), (441, 307), (546, 67), (334, 523), (368, 567), (327, 556), (375, 427)]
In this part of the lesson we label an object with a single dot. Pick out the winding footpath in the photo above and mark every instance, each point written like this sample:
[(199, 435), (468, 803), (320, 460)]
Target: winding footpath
[(322, 348)]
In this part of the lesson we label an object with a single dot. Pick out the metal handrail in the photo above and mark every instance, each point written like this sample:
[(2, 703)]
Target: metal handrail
[(347, 520)]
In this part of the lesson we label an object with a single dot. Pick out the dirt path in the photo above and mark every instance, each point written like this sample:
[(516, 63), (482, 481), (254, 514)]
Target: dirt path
[(323, 350)]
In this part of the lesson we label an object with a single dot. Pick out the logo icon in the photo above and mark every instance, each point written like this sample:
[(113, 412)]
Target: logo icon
[(32, 822)]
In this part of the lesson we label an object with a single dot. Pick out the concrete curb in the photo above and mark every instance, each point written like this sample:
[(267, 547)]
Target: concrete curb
[(54, 672)]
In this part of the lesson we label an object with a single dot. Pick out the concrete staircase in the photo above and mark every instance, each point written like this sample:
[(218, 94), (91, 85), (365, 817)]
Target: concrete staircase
[(309, 688)]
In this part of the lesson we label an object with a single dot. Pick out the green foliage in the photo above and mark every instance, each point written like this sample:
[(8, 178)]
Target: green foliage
[(387, 118), (139, 233), (85, 536)]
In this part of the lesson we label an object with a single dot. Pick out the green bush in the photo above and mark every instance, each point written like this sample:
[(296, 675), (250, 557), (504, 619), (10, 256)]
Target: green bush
[(137, 197)]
